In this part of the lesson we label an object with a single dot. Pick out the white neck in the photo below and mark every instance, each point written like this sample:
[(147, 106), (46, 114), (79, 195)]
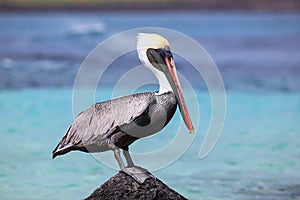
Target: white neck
[(164, 85)]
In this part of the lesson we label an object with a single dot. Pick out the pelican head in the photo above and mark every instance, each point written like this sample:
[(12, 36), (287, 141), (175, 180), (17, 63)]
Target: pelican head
[(154, 51)]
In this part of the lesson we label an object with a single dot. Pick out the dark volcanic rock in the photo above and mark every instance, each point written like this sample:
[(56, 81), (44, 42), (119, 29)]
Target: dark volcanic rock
[(123, 186)]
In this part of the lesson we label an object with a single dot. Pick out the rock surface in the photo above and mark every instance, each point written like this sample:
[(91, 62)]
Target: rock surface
[(123, 186)]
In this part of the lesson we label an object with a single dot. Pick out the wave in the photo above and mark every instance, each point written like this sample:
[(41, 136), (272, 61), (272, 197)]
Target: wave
[(89, 28)]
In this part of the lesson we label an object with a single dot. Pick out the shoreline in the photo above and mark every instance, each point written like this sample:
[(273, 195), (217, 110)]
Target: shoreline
[(153, 5)]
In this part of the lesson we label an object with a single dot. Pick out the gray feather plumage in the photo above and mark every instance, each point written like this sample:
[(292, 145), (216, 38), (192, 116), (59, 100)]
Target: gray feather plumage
[(101, 119)]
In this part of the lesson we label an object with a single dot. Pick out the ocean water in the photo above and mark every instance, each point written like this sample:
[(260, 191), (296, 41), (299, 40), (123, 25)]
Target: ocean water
[(257, 155)]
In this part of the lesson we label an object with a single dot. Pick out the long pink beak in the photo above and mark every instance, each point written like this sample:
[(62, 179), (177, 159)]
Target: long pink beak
[(174, 81)]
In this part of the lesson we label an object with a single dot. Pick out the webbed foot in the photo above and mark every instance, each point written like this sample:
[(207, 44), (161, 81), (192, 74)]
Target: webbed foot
[(137, 173)]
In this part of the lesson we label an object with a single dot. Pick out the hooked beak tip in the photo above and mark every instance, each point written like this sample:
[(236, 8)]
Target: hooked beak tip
[(192, 131)]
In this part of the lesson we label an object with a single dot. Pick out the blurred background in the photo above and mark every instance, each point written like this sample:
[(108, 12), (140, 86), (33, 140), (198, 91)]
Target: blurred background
[(255, 44)]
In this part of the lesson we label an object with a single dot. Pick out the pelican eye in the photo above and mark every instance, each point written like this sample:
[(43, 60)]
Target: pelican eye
[(166, 52), (167, 48)]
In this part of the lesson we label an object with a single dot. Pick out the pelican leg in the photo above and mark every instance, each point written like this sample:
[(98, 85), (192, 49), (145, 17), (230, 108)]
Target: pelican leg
[(137, 173), (128, 159), (118, 158)]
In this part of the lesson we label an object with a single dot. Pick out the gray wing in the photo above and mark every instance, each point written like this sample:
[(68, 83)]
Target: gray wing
[(101, 119)]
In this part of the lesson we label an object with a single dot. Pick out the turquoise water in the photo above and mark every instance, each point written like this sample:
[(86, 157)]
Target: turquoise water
[(257, 156)]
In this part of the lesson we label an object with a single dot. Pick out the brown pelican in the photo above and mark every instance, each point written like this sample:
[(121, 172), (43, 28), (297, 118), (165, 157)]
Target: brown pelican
[(117, 123)]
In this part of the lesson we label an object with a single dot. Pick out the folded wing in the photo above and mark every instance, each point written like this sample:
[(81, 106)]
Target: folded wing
[(100, 120)]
